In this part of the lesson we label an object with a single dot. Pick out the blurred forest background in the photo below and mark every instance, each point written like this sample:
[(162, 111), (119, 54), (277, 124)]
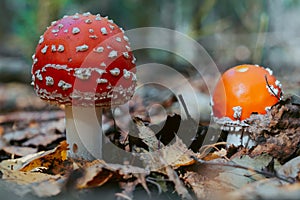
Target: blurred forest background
[(264, 32)]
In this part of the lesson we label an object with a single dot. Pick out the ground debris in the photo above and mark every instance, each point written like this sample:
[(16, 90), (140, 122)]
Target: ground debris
[(166, 144), (19, 151), (99, 173), (41, 174), (22, 137), (29, 116), (266, 189), (278, 132), (159, 156)]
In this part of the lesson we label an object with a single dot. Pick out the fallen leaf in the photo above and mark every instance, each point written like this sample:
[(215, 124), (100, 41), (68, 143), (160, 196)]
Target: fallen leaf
[(19, 151), (266, 189), (175, 154), (239, 177), (47, 128), (40, 184), (2, 130), (179, 186), (165, 159), (20, 134), (52, 160), (205, 186), (16, 164), (50, 187), (25, 173), (291, 169), (32, 116), (42, 139), (147, 135), (195, 181), (98, 174), (278, 132), (127, 189)]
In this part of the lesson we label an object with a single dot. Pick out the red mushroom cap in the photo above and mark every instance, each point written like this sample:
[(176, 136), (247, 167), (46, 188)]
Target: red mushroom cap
[(84, 59), (243, 90)]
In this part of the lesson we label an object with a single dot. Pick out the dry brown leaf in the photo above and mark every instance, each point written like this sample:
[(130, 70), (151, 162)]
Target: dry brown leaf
[(25, 177), (17, 164), (205, 186), (147, 135), (165, 159), (266, 189), (47, 128), (40, 184), (127, 189), (2, 130), (239, 177), (20, 134), (19, 151), (179, 186), (42, 139), (175, 154), (291, 169), (195, 181), (211, 179), (52, 158), (24, 171), (32, 116), (48, 188), (277, 132), (99, 173)]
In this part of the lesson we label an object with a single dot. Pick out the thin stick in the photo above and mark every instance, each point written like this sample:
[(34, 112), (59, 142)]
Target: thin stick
[(271, 88), (184, 106), (234, 165), (154, 183)]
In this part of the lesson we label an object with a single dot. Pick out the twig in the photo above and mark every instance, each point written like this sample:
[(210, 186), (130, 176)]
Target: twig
[(270, 88), (204, 149), (156, 184), (184, 106), (234, 165), (122, 196)]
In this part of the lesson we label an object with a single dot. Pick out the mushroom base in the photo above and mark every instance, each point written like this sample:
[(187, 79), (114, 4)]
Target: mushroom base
[(84, 132), (240, 138)]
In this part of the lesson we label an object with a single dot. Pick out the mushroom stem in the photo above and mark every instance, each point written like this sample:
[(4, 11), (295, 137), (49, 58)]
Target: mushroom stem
[(84, 132), (240, 138)]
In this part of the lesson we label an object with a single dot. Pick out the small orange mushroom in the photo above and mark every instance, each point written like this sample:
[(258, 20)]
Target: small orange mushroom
[(243, 90)]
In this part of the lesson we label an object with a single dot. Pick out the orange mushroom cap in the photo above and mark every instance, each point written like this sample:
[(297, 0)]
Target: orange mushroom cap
[(243, 90)]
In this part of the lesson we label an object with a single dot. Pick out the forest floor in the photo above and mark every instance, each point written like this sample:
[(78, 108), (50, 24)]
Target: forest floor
[(34, 165)]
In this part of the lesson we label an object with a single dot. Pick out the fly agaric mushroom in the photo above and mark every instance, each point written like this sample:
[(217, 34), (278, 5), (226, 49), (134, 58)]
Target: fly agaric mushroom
[(85, 63), (241, 91)]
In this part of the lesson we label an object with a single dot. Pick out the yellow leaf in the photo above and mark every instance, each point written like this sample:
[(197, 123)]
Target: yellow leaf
[(50, 160), (53, 158)]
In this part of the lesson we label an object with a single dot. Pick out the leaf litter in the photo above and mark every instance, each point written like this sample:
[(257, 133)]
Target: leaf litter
[(34, 158)]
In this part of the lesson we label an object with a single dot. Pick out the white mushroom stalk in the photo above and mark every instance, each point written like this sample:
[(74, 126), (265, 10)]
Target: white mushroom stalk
[(238, 132), (240, 138), (84, 132)]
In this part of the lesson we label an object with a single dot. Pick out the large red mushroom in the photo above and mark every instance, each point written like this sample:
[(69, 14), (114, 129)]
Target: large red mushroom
[(85, 63)]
